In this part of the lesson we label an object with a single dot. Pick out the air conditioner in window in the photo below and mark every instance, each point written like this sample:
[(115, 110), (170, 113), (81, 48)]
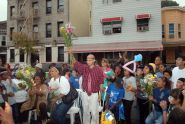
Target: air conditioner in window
[(107, 32)]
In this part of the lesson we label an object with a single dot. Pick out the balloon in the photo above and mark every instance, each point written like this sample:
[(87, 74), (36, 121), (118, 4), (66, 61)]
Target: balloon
[(128, 69), (138, 58)]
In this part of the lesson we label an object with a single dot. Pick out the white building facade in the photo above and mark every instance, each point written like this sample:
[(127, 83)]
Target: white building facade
[(122, 25)]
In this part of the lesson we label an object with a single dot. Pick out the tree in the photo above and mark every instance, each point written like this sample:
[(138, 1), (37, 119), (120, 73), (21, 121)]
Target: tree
[(24, 42), (168, 3)]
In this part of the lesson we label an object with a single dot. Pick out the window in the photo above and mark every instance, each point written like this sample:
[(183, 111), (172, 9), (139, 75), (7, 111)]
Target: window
[(142, 25), (112, 27), (115, 1), (3, 43), (60, 5), (48, 6), (35, 29), (48, 30), (48, 54), (35, 5), (12, 55), (60, 24), (163, 32), (35, 32), (179, 30), (11, 32), (12, 11), (107, 28), (4, 38), (21, 55), (116, 26), (60, 54), (171, 30)]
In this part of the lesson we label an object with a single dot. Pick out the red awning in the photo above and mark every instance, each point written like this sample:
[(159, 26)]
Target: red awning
[(143, 16), (112, 19), (119, 46)]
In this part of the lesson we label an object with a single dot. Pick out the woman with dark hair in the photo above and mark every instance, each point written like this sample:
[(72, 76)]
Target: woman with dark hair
[(176, 100), (38, 99), (177, 116), (161, 93)]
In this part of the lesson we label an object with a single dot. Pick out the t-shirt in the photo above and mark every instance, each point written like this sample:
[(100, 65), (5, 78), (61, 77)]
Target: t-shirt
[(21, 96), (159, 74), (59, 86), (176, 74), (160, 95), (115, 93), (131, 81), (74, 81)]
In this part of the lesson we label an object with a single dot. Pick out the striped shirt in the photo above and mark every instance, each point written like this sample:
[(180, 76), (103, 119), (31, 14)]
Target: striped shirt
[(96, 73)]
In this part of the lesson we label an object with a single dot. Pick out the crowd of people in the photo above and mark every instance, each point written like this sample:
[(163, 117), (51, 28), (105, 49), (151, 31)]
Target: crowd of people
[(159, 92)]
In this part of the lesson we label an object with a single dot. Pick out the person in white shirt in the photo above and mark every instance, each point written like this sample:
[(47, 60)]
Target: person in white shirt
[(129, 83), (59, 87), (10, 89), (179, 71)]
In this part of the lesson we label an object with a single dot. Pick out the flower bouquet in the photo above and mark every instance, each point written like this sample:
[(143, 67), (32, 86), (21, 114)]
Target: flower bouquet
[(67, 33), (26, 74), (149, 84)]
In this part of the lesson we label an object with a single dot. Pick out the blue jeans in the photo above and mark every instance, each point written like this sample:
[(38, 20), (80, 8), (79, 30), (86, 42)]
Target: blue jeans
[(59, 112), (154, 118), (15, 112)]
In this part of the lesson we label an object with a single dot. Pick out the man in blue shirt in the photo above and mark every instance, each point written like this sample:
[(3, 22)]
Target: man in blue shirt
[(74, 80)]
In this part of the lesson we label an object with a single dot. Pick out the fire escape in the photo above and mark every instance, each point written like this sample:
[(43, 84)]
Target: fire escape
[(28, 17)]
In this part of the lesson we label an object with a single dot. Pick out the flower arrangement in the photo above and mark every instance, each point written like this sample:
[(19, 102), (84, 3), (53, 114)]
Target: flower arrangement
[(149, 84), (26, 74), (67, 33)]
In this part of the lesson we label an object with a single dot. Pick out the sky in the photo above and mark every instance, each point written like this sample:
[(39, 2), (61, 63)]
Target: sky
[(3, 8)]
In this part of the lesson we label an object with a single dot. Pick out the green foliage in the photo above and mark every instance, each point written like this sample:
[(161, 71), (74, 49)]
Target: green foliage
[(168, 3), (24, 42)]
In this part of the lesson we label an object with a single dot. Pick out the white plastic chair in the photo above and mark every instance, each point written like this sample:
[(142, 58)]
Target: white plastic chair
[(75, 109), (34, 112)]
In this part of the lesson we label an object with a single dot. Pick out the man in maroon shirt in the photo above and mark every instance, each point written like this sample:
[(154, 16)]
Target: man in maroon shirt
[(92, 76)]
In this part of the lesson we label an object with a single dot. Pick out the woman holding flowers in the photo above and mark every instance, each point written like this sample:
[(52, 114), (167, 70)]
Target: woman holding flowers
[(161, 93), (38, 99), (142, 99)]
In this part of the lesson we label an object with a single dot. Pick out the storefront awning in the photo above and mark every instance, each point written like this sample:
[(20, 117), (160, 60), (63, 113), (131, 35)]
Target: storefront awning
[(173, 43), (112, 19), (120, 46), (143, 16)]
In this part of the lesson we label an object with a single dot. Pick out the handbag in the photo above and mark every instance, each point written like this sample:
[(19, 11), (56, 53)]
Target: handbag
[(71, 96)]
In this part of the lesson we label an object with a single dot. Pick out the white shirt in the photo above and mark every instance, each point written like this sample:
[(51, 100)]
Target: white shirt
[(62, 87), (21, 96), (176, 74), (129, 95), (10, 88)]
